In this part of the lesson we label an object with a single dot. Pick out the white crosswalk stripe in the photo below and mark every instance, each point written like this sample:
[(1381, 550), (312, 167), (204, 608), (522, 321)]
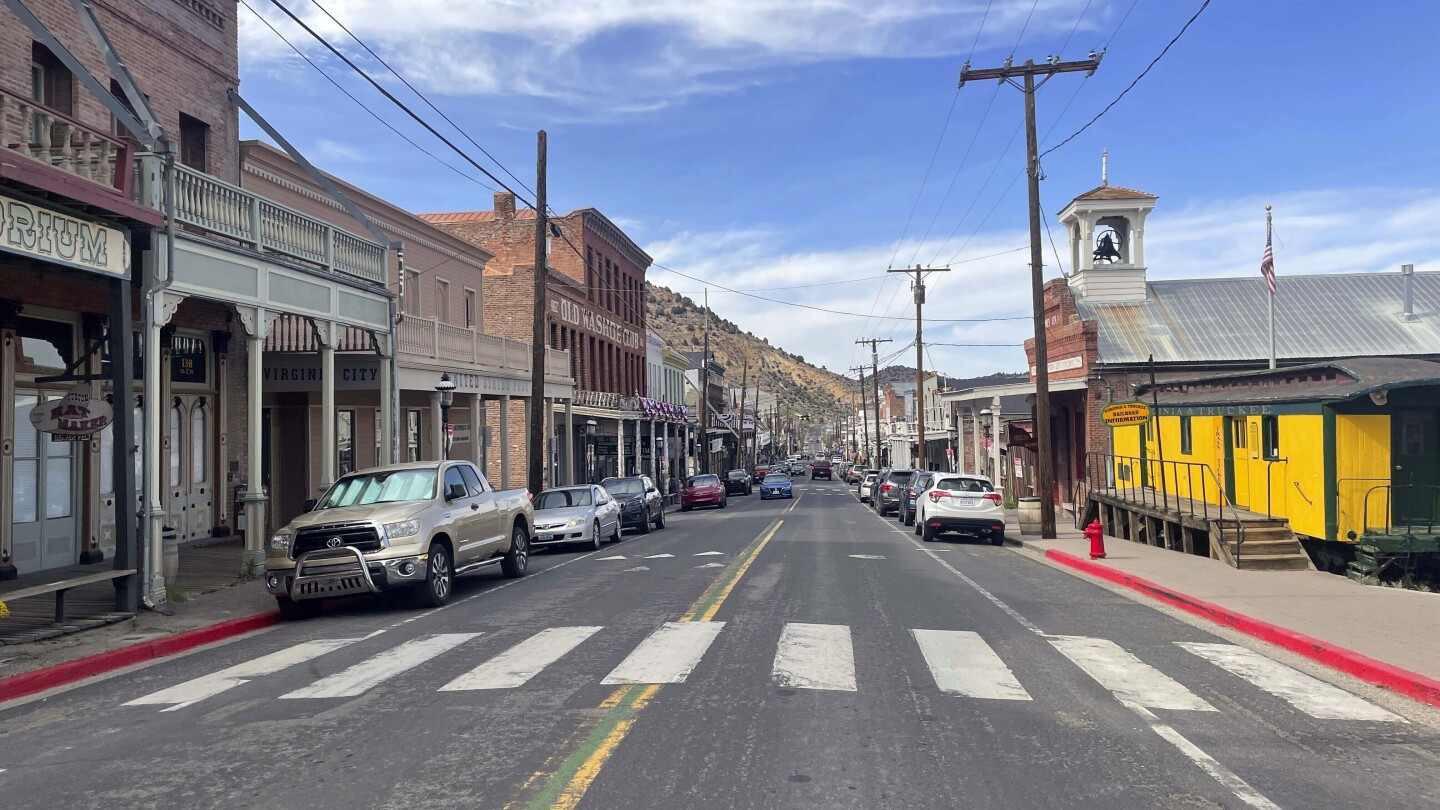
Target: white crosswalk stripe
[(815, 656), (525, 660), (361, 678), (963, 664), (1132, 680), (198, 689), (668, 655), (1310, 695)]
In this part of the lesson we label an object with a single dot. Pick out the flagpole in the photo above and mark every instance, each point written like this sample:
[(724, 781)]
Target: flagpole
[(1270, 289)]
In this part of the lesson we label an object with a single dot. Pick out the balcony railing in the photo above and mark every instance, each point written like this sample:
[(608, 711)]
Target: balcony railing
[(217, 208), (427, 337), (606, 399), (50, 137)]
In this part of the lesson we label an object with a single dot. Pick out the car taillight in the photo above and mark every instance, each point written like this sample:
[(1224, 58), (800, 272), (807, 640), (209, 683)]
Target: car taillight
[(937, 494), (993, 496), (887, 487)]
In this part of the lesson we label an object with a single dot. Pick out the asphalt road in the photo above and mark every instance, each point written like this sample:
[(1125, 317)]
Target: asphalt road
[(779, 654)]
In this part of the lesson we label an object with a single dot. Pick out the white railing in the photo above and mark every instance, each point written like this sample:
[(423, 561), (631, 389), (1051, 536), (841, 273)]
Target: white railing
[(36, 132), (427, 337), (216, 207)]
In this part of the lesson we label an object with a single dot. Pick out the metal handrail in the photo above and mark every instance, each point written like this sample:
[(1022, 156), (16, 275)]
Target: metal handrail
[(1137, 491), (1390, 506)]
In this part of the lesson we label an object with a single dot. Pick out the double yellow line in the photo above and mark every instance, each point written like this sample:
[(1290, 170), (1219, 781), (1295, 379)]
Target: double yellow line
[(575, 767)]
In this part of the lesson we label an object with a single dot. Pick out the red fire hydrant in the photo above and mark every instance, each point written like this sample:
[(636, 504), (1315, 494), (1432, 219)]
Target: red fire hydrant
[(1096, 534)]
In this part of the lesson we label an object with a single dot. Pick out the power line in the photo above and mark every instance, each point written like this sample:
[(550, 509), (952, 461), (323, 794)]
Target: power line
[(920, 192), (1132, 84), (422, 96)]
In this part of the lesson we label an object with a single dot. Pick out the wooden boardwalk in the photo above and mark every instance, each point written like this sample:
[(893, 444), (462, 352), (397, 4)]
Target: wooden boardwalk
[(1240, 537)]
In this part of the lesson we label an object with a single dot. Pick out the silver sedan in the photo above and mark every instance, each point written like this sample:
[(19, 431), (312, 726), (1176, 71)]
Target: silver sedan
[(585, 515)]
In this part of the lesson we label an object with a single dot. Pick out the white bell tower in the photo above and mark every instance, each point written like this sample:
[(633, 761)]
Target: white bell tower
[(1107, 241)]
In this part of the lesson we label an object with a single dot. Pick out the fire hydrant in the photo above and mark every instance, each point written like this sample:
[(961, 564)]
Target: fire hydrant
[(1096, 534)]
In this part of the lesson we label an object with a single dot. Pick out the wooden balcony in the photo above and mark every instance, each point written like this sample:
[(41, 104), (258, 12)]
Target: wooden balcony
[(428, 338), (51, 138)]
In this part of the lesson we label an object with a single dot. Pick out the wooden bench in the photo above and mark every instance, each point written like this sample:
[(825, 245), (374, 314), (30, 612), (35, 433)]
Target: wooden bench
[(59, 588)]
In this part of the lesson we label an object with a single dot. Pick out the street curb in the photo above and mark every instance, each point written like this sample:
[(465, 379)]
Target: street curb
[(28, 683), (1351, 663)]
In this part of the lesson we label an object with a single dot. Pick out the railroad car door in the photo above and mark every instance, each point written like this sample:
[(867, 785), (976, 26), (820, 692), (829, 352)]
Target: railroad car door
[(1237, 461), (1417, 466)]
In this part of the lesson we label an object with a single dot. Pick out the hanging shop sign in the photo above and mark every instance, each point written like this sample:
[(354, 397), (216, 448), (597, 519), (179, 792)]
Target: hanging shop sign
[(1125, 413), (38, 232), (73, 417)]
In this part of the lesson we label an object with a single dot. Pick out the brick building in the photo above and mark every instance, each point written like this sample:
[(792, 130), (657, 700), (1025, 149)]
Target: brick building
[(595, 288)]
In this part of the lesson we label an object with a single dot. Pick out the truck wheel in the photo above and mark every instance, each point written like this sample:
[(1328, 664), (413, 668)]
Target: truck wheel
[(439, 578), (292, 611), (517, 559), (595, 536)]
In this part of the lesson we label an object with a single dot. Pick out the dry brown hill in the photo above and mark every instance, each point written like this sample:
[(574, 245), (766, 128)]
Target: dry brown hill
[(808, 389)]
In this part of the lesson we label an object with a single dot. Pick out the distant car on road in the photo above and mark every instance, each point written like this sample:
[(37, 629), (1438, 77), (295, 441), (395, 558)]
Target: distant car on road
[(738, 481), (585, 515), (820, 468), (776, 485), (640, 503), (964, 504), (917, 486), (892, 486), (867, 486), (703, 490)]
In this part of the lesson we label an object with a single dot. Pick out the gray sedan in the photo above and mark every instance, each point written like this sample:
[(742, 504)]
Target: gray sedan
[(585, 515)]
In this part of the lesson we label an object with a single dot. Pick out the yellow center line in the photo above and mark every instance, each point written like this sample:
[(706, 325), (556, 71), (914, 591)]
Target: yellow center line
[(597, 739)]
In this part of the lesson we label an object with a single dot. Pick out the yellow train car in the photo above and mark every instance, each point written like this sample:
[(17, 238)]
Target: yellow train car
[(1345, 451)]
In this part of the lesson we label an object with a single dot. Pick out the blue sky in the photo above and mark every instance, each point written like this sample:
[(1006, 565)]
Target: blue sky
[(766, 143)]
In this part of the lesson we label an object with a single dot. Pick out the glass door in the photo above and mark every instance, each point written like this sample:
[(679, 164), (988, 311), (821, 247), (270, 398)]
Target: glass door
[(188, 475), (44, 491)]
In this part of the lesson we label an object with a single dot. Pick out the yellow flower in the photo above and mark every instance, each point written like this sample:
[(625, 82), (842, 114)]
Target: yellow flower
[(4, 611)]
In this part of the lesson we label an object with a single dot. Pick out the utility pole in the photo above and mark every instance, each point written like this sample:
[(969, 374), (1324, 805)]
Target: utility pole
[(1027, 72), (865, 421), (705, 391), (875, 370), (759, 375), (742, 451), (919, 289), (535, 443)]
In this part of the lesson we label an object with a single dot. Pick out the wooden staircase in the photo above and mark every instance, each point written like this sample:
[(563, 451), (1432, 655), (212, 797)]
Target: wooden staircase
[(1267, 545)]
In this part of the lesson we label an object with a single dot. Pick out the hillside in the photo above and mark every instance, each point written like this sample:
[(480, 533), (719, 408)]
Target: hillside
[(905, 375), (681, 323)]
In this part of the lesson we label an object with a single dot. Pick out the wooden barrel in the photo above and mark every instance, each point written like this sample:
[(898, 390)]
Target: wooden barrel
[(1030, 516)]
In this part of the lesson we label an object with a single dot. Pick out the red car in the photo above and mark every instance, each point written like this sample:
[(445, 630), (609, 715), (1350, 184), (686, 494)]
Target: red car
[(762, 471), (702, 490)]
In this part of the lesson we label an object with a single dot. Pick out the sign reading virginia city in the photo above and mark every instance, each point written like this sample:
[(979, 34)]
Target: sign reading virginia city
[(1125, 413), (43, 233)]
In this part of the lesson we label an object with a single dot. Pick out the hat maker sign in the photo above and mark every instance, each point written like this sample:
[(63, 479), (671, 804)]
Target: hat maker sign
[(73, 417), (1125, 413)]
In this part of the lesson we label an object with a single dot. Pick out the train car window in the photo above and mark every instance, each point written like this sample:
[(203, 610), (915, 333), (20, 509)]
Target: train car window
[(1185, 445), (1270, 437), (1238, 427)]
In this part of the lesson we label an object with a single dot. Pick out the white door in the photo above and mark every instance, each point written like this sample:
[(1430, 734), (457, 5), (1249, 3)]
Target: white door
[(45, 492), (188, 472)]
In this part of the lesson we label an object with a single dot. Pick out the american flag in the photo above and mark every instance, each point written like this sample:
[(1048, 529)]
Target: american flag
[(1267, 262)]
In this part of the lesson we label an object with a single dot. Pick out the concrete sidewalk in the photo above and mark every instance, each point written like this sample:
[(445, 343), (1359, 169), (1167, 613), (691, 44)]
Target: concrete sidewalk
[(1390, 625)]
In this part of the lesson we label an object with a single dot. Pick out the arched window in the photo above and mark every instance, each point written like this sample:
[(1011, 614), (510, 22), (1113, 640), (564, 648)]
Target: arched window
[(199, 445), (175, 445)]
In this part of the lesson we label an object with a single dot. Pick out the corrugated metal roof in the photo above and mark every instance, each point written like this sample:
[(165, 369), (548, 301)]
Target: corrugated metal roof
[(1345, 379), (1225, 320)]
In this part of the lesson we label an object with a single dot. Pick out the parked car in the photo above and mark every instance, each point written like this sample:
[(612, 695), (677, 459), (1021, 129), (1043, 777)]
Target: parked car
[(854, 473), (917, 486), (892, 486), (963, 504), (776, 485), (702, 490), (409, 526), (761, 470), (867, 486), (738, 481), (640, 504), (820, 468), (585, 515)]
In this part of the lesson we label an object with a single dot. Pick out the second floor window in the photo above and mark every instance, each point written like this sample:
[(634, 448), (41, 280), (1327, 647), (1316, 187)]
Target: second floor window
[(470, 310), (194, 140), (51, 83), (442, 300)]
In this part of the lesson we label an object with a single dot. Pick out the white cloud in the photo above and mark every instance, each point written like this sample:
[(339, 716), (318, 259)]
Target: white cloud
[(328, 151), (635, 55), (1324, 231)]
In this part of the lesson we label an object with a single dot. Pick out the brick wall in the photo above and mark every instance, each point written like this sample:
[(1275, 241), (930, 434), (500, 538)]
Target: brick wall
[(182, 53)]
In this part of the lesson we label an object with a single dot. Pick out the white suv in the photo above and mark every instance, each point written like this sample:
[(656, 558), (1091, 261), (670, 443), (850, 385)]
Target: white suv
[(964, 504), (867, 486)]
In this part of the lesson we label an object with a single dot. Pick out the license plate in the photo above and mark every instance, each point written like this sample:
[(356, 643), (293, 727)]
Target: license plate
[(544, 537), (968, 501)]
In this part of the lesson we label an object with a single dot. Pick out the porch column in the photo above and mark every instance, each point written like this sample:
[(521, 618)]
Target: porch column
[(387, 411), (329, 461), (975, 437), (997, 472), (253, 560), (620, 446), (477, 429), (569, 441), (437, 430), (154, 408), (9, 337), (504, 442)]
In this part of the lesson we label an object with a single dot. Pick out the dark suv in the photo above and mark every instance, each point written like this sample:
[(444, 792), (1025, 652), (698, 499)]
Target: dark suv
[(640, 504), (738, 482), (890, 488), (820, 468), (917, 486)]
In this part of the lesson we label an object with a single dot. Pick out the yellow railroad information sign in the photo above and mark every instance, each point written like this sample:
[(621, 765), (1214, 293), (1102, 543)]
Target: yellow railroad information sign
[(1125, 413)]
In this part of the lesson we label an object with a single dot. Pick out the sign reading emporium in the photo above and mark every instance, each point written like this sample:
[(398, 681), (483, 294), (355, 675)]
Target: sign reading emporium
[(48, 235)]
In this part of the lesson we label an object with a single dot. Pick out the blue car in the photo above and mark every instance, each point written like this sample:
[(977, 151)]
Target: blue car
[(775, 485)]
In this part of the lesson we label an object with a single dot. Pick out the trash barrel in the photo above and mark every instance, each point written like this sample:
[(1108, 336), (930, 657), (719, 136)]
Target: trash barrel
[(1030, 516), (170, 553)]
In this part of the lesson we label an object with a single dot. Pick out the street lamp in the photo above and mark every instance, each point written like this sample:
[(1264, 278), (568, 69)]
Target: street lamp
[(590, 450), (446, 387)]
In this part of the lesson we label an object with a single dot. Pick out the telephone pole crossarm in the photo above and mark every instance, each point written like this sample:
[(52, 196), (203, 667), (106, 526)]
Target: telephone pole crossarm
[(1010, 72)]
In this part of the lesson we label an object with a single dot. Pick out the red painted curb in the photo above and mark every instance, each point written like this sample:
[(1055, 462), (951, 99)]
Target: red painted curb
[(1365, 668), (29, 683)]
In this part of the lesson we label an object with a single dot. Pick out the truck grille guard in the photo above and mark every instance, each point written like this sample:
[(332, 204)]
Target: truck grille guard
[(329, 583)]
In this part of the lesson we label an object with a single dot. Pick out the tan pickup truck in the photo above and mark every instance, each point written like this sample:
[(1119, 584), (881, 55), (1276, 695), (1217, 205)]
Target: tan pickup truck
[(415, 526)]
